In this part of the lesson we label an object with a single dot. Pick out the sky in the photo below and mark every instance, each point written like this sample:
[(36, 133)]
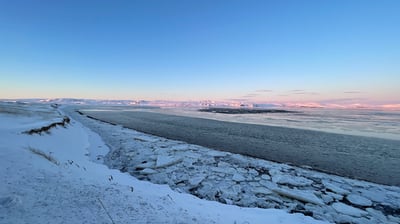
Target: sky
[(339, 52)]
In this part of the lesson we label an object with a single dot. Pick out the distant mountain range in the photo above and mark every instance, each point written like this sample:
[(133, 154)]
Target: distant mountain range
[(202, 104)]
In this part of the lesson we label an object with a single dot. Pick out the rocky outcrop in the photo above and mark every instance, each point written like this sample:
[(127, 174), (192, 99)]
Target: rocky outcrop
[(46, 129)]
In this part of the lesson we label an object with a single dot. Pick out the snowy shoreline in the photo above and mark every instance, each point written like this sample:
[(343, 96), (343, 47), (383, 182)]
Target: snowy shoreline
[(57, 182), (244, 181), (59, 175), (371, 159)]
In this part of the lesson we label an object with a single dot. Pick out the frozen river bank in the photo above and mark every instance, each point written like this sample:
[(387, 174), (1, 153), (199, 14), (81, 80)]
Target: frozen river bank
[(244, 181), (366, 158)]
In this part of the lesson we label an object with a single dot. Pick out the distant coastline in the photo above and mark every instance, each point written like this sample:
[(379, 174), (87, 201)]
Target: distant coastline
[(243, 110)]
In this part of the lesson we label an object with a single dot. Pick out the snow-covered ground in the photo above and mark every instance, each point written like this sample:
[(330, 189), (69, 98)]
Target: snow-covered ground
[(244, 181), (50, 178)]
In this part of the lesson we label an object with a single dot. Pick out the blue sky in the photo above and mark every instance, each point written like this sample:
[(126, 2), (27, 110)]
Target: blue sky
[(270, 51)]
